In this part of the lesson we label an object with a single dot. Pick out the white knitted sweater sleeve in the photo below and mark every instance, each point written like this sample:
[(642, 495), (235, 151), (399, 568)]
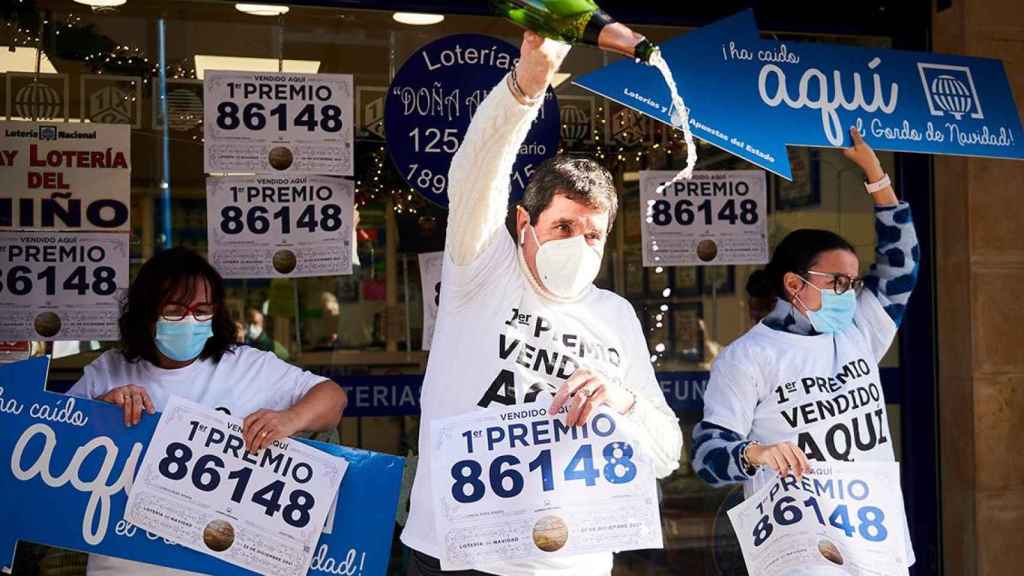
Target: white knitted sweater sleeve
[(480, 174)]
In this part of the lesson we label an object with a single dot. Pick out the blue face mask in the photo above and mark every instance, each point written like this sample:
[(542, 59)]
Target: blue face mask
[(836, 313), (182, 340)]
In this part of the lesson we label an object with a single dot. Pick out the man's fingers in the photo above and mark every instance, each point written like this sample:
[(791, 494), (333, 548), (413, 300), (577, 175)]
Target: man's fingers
[(584, 394), (574, 409), (559, 400), (596, 399), (568, 389), (577, 380)]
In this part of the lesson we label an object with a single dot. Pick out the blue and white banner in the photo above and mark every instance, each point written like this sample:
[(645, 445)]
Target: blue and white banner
[(752, 97), (67, 464), (433, 98)]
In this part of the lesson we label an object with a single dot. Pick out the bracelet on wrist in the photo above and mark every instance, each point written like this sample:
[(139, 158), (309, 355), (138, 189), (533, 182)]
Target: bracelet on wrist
[(745, 461), (878, 185), (518, 92)]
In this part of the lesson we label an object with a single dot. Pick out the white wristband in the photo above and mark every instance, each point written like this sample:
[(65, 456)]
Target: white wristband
[(881, 184)]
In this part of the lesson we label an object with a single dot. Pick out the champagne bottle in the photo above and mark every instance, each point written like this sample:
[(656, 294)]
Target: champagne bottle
[(576, 21)]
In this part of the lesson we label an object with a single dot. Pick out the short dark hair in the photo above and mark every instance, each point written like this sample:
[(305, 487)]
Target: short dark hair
[(579, 179), (798, 252), (167, 274)]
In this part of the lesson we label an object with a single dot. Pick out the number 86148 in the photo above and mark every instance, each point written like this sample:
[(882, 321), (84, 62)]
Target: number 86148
[(506, 481)]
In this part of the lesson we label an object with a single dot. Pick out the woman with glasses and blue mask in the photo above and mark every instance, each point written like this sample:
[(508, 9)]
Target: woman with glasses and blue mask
[(177, 338), (803, 384)]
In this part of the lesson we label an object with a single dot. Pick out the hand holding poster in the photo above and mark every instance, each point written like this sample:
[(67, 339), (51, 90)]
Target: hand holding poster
[(285, 122), (515, 484), (842, 519), (267, 226), (717, 217), (61, 287), (200, 488)]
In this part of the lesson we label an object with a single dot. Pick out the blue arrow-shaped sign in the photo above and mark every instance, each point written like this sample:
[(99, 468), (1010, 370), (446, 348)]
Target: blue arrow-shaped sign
[(752, 97), (66, 466)]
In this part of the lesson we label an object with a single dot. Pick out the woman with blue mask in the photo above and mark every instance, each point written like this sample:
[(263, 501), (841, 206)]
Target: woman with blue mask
[(177, 338), (803, 384)]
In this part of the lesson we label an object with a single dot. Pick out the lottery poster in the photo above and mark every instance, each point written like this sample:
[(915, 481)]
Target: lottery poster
[(841, 519), (200, 488), (278, 123), (280, 226), (517, 483), (716, 217)]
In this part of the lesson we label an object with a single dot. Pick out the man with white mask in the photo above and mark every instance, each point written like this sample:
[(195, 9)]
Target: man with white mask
[(519, 320)]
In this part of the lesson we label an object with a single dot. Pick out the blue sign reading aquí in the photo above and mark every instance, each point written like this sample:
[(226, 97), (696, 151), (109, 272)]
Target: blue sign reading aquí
[(433, 98), (66, 466), (752, 97)]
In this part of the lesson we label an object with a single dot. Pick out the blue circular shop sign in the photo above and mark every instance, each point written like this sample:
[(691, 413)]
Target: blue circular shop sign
[(434, 96)]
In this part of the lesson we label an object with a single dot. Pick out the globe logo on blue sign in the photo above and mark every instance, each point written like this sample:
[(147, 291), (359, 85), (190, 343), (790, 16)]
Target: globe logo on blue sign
[(952, 95), (950, 90)]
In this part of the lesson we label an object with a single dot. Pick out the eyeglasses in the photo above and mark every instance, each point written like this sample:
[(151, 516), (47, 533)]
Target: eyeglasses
[(177, 312), (841, 282)]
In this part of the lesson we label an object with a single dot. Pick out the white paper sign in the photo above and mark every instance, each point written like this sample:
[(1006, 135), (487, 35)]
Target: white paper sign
[(278, 123), (843, 519), (717, 217), (430, 281), (199, 488), (279, 226), (58, 176), (61, 286), (515, 484)]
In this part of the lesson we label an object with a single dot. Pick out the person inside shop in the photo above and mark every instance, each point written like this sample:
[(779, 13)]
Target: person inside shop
[(524, 283), (177, 338), (824, 338), (255, 335)]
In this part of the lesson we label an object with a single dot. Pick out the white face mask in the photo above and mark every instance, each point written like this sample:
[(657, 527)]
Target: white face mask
[(567, 266), (254, 331)]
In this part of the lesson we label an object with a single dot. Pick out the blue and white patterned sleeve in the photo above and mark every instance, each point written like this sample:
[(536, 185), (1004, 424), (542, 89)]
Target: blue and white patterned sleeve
[(897, 258), (716, 455)]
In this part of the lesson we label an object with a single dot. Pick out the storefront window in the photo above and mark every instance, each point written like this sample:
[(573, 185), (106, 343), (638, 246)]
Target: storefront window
[(370, 323)]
